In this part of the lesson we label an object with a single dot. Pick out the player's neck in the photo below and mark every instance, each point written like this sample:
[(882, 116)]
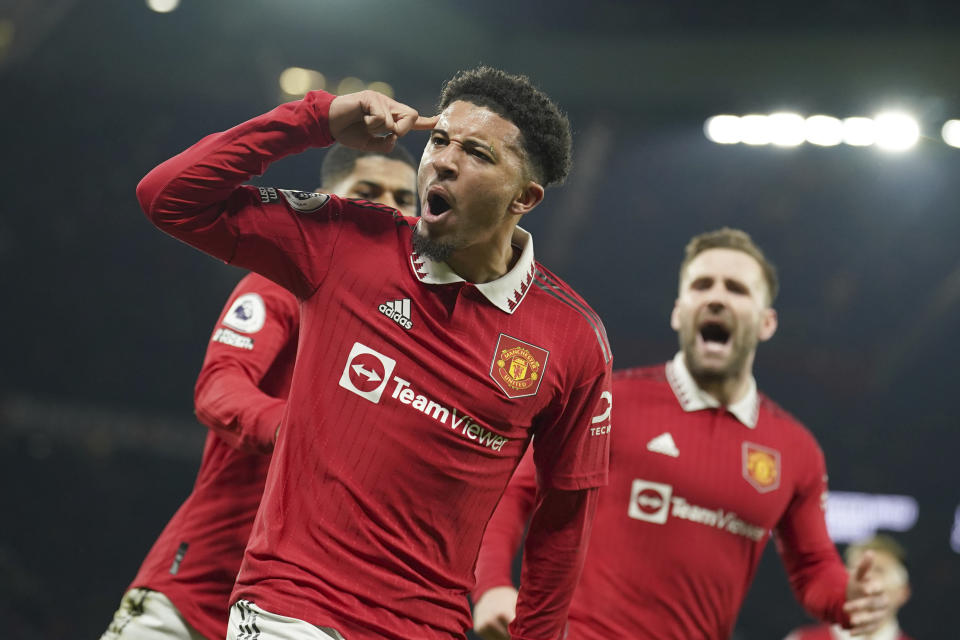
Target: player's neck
[(481, 263), (728, 390)]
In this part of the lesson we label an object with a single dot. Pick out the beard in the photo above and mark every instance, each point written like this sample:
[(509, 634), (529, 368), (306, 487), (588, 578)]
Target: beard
[(436, 250)]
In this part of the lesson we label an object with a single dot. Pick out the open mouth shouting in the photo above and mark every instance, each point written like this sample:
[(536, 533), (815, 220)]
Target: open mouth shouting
[(714, 338), (436, 205)]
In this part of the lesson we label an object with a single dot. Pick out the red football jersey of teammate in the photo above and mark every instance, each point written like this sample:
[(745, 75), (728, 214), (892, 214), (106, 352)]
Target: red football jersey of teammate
[(414, 394), (241, 395), (694, 491)]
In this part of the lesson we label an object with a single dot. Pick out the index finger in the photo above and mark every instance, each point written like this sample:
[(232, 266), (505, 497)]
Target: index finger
[(411, 120), (425, 123)]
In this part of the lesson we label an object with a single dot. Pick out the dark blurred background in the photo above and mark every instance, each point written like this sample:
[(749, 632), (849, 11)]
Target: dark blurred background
[(106, 319)]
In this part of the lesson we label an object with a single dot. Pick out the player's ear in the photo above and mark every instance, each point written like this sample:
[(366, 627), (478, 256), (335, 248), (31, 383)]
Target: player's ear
[(768, 324), (675, 316), (529, 196)]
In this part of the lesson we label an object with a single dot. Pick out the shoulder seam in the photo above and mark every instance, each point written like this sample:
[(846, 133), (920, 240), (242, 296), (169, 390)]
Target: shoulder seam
[(398, 217), (556, 290)]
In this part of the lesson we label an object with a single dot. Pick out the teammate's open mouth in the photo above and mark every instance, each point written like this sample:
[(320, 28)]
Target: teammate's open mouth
[(714, 332), (437, 204)]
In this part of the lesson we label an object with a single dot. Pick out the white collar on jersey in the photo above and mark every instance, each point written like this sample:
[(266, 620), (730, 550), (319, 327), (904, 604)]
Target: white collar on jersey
[(693, 398), (506, 292), (889, 631)]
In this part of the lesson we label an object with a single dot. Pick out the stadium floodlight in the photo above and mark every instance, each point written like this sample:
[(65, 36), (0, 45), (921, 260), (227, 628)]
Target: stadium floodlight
[(786, 129), (381, 87), (755, 129), (825, 131), (859, 132), (163, 6), (896, 131), (723, 129), (951, 133), (350, 85), (296, 81)]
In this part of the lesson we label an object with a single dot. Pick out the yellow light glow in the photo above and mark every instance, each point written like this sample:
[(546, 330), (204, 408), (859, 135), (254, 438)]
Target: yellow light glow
[(296, 81), (163, 6), (350, 85), (825, 131), (6, 33), (381, 87), (722, 129)]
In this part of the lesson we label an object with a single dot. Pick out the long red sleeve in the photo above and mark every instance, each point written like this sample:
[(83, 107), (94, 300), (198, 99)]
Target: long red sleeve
[(504, 533), (196, 196), (817, 574), (559, 532), (553, 558), (228, 396)]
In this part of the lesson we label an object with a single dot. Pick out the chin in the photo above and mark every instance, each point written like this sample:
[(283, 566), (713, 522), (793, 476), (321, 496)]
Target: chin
[(708, 367)]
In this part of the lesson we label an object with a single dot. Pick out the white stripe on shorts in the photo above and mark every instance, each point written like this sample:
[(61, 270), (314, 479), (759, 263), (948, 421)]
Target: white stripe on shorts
[(148, 615), (250, 622)]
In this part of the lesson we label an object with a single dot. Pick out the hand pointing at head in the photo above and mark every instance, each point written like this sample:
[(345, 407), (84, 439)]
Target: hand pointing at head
[(371, 121)]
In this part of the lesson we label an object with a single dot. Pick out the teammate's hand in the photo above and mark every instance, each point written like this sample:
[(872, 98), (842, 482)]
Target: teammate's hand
[(371, 121), (867, 604), (494, 612)]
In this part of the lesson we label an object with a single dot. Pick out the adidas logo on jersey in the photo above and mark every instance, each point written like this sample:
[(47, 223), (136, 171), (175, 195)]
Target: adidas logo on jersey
[(398, 311), (664, 444)]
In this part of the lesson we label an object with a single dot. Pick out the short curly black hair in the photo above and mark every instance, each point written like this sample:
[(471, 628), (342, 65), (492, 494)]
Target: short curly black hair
[(544, 129)]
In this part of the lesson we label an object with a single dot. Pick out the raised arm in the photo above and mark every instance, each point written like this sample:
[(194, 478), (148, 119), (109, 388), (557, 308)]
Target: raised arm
[(256, 335), (197, 196)]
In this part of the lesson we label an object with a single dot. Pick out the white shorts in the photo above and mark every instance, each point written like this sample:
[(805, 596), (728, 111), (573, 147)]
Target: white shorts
[(148, 615), (250, 622)]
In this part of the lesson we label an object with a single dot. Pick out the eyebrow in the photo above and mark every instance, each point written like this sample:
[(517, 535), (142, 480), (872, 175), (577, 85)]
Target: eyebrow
[(480, 145), (726, 280), (475, 144)]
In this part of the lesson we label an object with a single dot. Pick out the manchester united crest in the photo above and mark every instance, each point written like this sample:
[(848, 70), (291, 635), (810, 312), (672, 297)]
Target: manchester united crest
[(518, 366), (761, 467)]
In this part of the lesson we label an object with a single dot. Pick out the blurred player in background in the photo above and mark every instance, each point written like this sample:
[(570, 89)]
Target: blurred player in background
[(430, 352), (889, 567), (702, 467), (183, 587)]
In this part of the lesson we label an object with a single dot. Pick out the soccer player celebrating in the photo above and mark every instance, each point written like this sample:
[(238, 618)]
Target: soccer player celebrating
[(702, 468), (430, 352), (183, 587), (889, 567)]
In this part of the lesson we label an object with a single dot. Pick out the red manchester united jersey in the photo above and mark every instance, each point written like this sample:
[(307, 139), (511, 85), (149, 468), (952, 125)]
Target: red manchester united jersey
[(695, 490), (414, 394), (240, 394)]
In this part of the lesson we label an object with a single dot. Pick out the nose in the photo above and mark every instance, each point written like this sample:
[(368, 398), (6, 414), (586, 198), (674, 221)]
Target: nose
[(387, 198), (445, 163), (715, 306)]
